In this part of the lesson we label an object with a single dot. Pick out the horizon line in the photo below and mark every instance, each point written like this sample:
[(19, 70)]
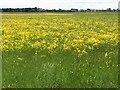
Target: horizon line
[(61, 8)]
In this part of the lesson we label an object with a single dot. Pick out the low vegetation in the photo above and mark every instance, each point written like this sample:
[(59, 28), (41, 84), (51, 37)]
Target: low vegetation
[(60, 50)]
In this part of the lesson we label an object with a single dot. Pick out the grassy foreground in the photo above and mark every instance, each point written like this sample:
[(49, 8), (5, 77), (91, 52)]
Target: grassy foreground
[(60, 50), (60, 69)]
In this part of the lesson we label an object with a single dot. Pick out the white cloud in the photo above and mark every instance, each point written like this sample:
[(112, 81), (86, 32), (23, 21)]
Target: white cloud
[(64, 4)]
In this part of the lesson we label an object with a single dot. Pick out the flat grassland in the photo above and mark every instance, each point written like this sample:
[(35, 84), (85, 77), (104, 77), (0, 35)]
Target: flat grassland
[(73, 50)]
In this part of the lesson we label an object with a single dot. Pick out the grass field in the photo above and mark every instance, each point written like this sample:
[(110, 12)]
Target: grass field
[(73, 50)]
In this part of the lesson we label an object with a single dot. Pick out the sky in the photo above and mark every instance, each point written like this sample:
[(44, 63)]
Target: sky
[(62, 4)]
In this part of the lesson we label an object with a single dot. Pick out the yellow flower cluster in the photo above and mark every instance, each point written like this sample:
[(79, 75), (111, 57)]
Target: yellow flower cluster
[(52, 32)]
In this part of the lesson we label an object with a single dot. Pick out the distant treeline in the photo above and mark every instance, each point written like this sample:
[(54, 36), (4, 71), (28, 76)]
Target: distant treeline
[(53, 10)]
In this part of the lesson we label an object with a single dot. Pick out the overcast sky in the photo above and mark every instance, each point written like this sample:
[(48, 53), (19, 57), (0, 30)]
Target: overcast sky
[(63, 4)]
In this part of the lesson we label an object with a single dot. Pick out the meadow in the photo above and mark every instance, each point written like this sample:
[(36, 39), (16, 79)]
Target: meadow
[(60, 50)]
